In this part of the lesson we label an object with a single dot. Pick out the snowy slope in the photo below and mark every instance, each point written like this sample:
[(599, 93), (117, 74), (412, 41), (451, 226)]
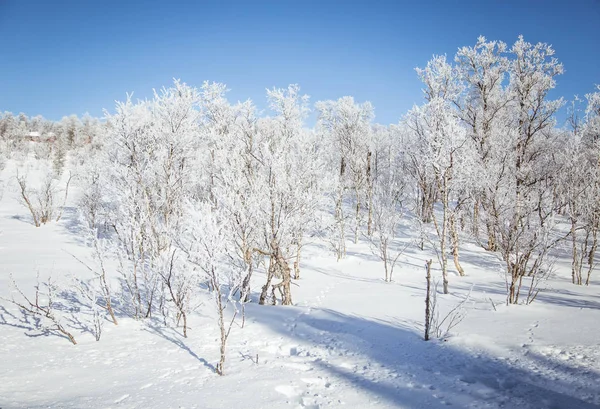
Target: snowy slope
[(351, 340)]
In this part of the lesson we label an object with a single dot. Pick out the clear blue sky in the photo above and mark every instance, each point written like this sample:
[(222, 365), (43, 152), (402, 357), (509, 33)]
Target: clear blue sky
[(63, 57)]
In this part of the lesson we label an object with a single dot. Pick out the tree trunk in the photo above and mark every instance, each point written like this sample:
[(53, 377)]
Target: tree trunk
[(339, 215), (370, 196), (356, 228), (222, 350), (516, 273), (286, 278), (383, 245), (443, 237), (591, 255), (111, 312), (265, 289), (428, 300), (442, 231), (297, 262), (575, 265), (455, 243), (245, 291), (475, 227), (184, 316), (105, 287), (512, 299), (491, 244)]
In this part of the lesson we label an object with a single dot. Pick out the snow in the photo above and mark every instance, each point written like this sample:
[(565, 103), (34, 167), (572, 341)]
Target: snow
[(351, 341)]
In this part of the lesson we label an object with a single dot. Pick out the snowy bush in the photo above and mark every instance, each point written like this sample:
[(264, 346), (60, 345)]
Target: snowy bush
[(43, 201), (41, 308)]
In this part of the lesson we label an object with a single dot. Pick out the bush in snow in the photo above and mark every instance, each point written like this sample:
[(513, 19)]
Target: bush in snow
[(42, 308)]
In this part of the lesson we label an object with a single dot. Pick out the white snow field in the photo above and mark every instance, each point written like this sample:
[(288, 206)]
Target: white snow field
[(350, 341)]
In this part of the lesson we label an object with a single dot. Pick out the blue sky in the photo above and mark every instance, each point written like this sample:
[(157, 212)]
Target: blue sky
[(63, 57)]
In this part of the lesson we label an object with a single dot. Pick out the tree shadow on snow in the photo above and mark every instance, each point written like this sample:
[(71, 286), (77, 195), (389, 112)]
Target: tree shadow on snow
[(25, 219), (32, 324), (552, 298), (175, 338), (72, 225), (401, 369), (560, 297)]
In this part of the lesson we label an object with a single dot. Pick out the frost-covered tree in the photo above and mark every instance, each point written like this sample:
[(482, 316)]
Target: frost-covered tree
[(148, 162), (207, 242), (500, 98), (579, 187), (230, 170), (441, 156), (70, 127), (387, 213), (482, 106), (289, 174), (347, 126), (526, 222), (442, 144)]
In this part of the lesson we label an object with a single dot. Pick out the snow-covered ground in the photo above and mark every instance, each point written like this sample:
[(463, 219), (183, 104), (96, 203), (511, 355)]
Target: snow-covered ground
[(351, 340)]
